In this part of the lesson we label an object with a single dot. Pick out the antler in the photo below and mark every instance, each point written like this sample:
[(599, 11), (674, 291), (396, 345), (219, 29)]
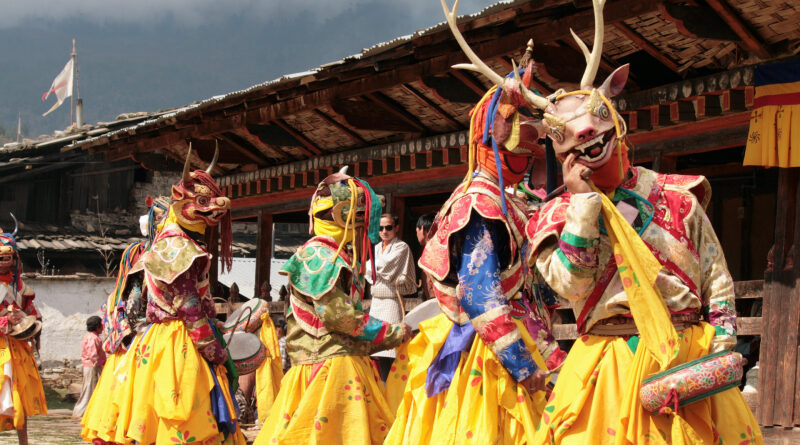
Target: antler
[(187, 166), (537, 101), (593, 57), (213, 161), (16, 224), (477, 64)]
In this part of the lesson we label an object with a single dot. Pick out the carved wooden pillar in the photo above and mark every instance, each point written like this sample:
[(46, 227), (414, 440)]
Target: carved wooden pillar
[(263, 250)]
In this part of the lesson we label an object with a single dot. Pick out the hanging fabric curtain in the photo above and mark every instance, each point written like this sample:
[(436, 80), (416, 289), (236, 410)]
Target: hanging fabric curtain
[(774, 137)]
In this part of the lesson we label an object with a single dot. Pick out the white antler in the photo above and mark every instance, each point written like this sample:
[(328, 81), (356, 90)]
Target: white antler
[(477, 64), (593, 57), (537, 101)]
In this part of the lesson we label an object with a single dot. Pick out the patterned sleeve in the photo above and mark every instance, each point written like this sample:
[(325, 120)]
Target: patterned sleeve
[(570, 266), (717, 287), (338, 314), (190, 308), (481, 296)]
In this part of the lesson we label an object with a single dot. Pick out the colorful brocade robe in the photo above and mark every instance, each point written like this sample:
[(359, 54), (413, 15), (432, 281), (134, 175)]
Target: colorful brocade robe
[(176, 275), (571, 249), (324, 317), (475, 261)]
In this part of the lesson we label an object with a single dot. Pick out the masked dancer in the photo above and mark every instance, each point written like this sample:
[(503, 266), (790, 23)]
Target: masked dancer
[(477, 373), (177, 374), (333, 394), (21, 391), (636, 254)]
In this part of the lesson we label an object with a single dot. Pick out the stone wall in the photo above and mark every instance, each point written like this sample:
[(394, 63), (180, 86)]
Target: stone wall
[(160, 184), (65, 303)]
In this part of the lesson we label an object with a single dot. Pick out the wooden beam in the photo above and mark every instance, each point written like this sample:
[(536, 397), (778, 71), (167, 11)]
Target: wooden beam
[(341, 127), (750, 40), (471, 83), (256, 142), (259, 159), (432, 105), (646, 46), (393, 108), (308, 148), (263, 250)]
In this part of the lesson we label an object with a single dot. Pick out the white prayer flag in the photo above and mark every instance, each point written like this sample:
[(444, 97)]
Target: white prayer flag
[(62, 87)]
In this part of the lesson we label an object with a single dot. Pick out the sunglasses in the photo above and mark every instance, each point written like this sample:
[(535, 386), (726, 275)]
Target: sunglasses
[(387, 228)]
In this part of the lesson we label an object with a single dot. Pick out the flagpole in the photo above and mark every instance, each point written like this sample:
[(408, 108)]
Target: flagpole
[(19, 125), (74, 56)]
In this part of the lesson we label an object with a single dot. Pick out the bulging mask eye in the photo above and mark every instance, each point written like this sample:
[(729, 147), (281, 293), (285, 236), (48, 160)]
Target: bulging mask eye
[(557, 135), (202, 200), (603, 112)]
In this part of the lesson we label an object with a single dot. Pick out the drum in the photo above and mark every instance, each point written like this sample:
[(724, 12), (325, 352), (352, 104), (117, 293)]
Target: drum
[(692, 381), (423, 311), (246, 351), (238, 320)]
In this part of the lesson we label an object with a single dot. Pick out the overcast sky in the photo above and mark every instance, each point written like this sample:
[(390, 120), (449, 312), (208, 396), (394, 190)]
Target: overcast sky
[(144, 55)]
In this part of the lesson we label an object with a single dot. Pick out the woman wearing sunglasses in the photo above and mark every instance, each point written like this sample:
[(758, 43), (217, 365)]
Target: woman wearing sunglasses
[(394, 274)]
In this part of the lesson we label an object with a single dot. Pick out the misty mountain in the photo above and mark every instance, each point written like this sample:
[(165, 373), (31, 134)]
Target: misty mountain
[(128, 66)]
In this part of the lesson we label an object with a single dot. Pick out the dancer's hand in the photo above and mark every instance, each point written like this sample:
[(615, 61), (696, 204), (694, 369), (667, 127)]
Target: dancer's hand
[(575, 175), (407, 333), (535, 382)]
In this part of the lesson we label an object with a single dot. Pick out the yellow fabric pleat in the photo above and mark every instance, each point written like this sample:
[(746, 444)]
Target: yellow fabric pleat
[(26, 384), (774, 137), (98, 420), (483, 404), (398, 376), (270, 373), (343, 403), (162, 391), (585, 405)]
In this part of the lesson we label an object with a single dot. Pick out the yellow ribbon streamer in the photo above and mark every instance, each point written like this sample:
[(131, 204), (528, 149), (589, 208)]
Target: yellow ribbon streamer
[(638, 270)]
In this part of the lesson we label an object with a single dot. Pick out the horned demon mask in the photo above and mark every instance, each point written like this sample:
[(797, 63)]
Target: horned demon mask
[(198, 202)]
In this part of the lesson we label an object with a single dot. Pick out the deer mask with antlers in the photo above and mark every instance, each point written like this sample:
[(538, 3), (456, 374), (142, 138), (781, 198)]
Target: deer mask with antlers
[(584, 121)]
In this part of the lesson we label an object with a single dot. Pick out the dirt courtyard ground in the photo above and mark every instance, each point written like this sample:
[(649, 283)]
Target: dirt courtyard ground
[(58, 427)]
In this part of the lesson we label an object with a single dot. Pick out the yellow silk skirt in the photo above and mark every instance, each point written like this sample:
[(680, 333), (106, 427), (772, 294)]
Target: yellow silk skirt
[(589, 400), (344, 403), (162, 392), (398, 376), (27, 392), (270, 373), (483, 404), (99, 418)]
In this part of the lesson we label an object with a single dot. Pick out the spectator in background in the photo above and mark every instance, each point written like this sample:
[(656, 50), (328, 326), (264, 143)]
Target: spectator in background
[(424, 224), (92, 358), (264, 291), (283, 293), (280, 332), (394, 275)]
